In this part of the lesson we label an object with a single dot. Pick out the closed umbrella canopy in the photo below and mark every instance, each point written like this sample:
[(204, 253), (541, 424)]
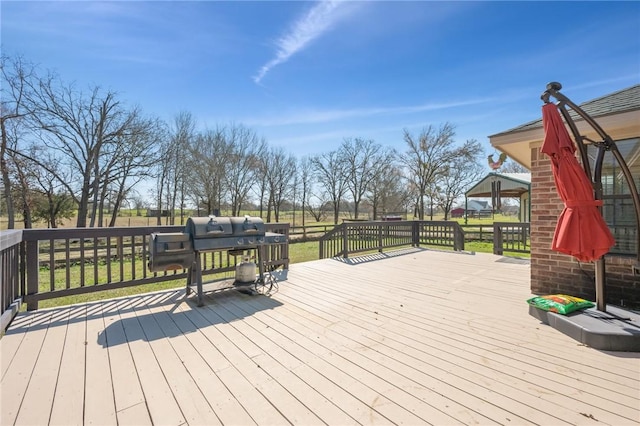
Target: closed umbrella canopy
[(581, 231)]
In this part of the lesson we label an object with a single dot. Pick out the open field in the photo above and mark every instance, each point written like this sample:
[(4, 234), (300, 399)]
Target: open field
[(131, 218)]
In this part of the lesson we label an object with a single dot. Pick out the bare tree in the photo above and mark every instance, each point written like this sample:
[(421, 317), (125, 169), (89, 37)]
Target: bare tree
[(388, 191), (427, 157), (181, 136), (162, 173), (207, 163), (136, 154), (318, 210), (279, 172), (246, 151), (52, 202), (364, 161), (305, 173), (84, 130), (457, 176), (16, 77), (261, 186), (331, 175), (24, 176)]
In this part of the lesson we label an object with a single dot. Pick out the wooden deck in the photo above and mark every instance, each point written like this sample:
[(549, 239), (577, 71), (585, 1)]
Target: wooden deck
[(425, 337)]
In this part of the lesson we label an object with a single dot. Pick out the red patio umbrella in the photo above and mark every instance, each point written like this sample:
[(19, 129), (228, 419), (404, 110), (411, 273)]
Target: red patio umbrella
[(581, 231)]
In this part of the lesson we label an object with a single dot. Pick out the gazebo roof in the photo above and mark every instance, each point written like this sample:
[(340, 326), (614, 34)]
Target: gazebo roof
[(511, 185)]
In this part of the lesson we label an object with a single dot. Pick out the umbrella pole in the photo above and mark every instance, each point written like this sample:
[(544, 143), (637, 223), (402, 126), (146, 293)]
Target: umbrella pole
[(601, 281), (607, 144)]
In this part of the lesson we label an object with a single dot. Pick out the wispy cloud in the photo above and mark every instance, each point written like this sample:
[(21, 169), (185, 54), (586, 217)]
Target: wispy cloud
[(306, 29), (341, 114)]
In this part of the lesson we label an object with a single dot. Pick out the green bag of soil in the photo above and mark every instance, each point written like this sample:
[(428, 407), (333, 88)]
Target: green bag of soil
[(560, 303)]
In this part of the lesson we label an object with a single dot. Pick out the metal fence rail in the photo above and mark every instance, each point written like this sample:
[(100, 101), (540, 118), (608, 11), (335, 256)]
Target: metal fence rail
[(359, 237), (39, 264)]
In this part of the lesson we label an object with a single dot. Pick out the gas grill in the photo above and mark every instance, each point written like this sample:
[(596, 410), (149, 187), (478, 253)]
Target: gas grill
[(207, 234)]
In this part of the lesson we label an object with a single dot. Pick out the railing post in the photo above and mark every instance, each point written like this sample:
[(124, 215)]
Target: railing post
[(497, 239), (380, 238), (458, 237), (285, 248), (23, 269), (345, 242), (33, 267), (415, 233)]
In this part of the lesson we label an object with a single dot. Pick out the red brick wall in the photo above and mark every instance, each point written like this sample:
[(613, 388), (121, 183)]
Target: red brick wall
[(553, 272)]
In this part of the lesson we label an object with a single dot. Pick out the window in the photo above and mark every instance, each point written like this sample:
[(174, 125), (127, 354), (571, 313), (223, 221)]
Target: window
[(618, 209)]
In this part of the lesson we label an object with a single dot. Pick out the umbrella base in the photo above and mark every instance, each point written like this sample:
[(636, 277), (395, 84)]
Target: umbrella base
[(616, 329)]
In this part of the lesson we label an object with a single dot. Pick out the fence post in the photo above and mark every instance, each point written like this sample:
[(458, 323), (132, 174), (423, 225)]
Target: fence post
[(497, 239), (458, 237), (33, 267)]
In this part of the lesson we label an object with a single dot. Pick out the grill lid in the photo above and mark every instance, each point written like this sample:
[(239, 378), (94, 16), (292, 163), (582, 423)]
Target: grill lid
[(208, 227), (248, 225), (212, 232)]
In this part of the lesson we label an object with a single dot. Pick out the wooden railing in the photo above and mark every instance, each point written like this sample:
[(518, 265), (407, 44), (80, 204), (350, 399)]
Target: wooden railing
[(308, 231), (11, 290), (479, 233), (39, 264), (358, 237), (512, 237)]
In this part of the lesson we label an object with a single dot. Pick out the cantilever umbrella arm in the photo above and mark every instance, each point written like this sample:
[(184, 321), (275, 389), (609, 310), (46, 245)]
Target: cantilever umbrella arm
[(607, 144)]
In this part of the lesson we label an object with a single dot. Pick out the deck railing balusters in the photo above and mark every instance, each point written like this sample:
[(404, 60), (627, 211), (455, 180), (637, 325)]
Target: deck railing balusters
[(358, 237), (83, 248)]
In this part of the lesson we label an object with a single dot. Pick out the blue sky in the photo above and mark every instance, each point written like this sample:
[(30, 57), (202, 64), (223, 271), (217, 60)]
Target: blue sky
[(306, 75)]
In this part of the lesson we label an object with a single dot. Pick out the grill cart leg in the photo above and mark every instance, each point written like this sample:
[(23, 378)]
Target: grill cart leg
[(195, 273), (199, 279), (190, 278), (261, 256)]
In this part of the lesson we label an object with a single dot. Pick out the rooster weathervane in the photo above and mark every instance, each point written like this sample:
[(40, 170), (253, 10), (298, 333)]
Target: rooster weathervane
[(495, 165)]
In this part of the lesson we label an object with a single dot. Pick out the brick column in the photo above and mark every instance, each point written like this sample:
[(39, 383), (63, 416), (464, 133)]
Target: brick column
[(553, 272)]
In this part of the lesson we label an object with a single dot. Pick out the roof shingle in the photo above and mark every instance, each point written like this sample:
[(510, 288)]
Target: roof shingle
[(621, 101)]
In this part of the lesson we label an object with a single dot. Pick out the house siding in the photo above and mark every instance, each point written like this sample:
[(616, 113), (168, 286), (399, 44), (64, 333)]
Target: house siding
[(553, 272)]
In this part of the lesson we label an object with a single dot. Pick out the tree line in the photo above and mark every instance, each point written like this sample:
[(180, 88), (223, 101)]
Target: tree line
[(66, 148)]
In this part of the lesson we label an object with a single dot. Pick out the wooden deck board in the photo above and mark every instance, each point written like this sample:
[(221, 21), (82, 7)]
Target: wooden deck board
[(425, 337), (314, 337), (127, 390), (623, 395), (393, 365), (190, 399), (98, 409), (42, 386), (191, 348), (230, 372), (163, 408), (20, 369), (381, 341), (67, 408), (279, 363)]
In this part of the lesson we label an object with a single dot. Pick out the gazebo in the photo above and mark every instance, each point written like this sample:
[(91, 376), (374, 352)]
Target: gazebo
[(504, 185)]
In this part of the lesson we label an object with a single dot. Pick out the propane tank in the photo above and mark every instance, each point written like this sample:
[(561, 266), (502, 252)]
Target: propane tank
[(246, 271)]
